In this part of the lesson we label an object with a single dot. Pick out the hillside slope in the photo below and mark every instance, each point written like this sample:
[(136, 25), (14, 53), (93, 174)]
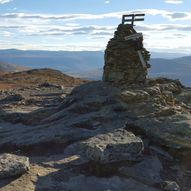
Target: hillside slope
[(179, 68), (26, 91), (5, 67), (38, 76)]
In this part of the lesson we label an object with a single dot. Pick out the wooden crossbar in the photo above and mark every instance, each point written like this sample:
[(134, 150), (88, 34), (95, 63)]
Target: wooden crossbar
[(139, 19), (130, 15), (126, 18)]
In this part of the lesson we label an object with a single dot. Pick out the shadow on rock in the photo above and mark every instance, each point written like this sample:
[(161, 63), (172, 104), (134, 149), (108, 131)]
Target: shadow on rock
[(84, 178), (6, 181)]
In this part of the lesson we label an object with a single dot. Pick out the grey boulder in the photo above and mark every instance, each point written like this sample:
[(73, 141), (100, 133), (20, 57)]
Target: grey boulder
[(116, 146), (13, 165)]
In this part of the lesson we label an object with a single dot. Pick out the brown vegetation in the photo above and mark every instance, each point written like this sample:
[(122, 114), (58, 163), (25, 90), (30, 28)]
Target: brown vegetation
[(37, 77)]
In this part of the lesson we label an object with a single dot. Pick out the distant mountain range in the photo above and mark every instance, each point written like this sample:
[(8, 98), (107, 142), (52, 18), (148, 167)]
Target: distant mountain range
[(66, 61), (89, 64), (178, 68)]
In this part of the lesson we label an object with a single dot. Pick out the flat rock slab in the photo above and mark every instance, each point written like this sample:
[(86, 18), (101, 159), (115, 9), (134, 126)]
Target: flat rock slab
[(172, 131), (13, 165), (147, 171), (83, 183), (120, 145)]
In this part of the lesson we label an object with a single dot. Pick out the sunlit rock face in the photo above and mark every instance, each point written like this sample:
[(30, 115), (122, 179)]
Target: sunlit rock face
[(122, 57)]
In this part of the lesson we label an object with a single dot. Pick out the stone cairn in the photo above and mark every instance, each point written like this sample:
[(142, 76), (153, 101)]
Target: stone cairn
[(125, 57)]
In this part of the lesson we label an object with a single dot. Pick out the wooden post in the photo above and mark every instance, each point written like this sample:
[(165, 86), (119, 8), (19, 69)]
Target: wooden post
[(129, 20)]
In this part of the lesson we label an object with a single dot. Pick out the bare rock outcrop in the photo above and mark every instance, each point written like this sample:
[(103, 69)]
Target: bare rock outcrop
[(98, 120)]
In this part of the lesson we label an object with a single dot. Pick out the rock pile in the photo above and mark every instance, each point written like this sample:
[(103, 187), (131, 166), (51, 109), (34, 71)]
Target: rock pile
[(122, 60)]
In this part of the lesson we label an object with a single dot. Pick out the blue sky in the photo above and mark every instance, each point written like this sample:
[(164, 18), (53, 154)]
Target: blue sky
[(89, 24)]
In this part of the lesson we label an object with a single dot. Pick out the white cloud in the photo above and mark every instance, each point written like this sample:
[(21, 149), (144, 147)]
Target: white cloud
[(164, 27), (96, 46), (6, 34), (174, 1), (34, 30), (66, 31), (72, 24), (92, 30), (167, 41), (107, 2), (117, 15), (5, 1)]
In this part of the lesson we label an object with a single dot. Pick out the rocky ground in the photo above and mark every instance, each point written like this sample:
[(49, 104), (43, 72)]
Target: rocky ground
[(96, 137), (39, 90)]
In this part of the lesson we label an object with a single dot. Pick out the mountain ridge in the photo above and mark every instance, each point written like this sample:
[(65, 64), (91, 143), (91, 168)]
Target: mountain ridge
[(89, 64)]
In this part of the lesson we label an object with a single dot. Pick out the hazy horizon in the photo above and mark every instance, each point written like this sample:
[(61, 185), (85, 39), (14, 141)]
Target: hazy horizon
[(177, 54)]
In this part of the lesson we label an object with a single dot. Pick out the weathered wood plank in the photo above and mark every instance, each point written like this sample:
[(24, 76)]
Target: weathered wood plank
[(138, 19), (130, 15), (134, 36), (142, 14), (142, 59)]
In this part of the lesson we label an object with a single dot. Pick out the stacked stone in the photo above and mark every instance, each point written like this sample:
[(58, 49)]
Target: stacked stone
[(122, 62)]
